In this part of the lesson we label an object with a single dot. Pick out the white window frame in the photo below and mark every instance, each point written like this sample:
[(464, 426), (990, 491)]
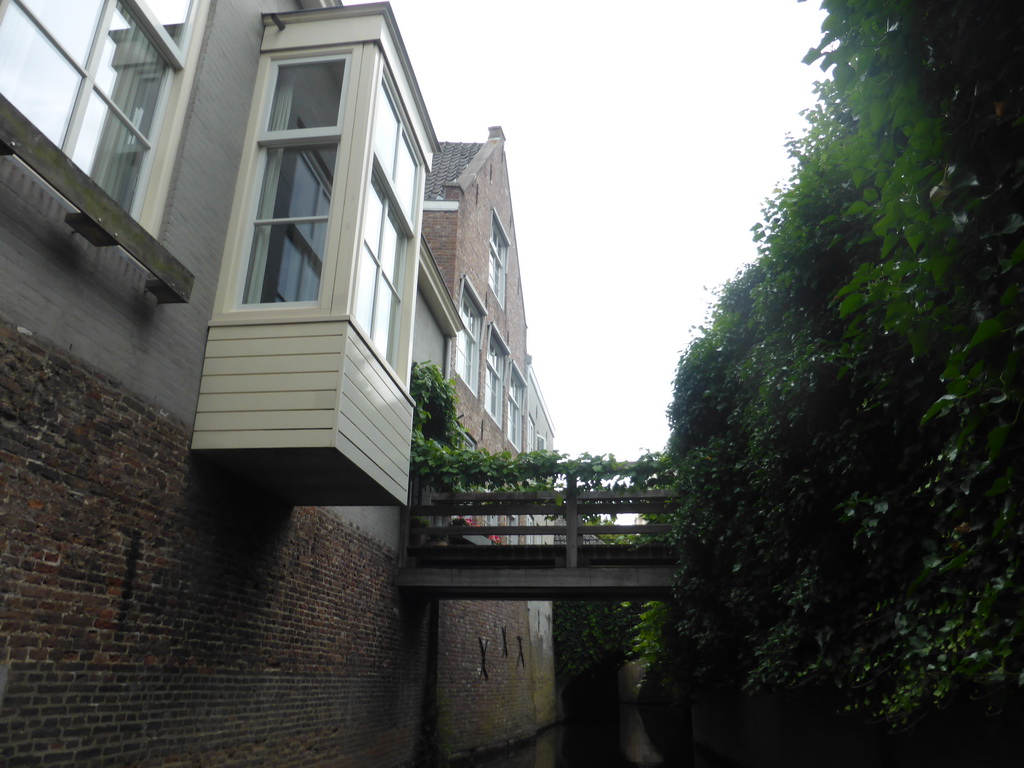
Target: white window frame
[(494, 384), (531, 433), (386, 181), (267, 140), (516, 407), (497, 262), (174, 55), (542, 442), (468, 345)]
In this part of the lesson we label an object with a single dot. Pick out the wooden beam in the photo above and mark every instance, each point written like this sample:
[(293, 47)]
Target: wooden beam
[(100, 219), (638, 583)]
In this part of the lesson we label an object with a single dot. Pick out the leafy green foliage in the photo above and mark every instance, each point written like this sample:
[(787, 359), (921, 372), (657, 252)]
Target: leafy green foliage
[(589, 635), (436, 416), (440, 460), (846, 431)]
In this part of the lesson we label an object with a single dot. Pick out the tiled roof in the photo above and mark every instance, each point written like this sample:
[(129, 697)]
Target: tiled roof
[(449, 163)]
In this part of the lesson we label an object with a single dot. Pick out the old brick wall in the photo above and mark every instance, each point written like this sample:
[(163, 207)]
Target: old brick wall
[(516, 696), (459, 241), (158, 611), (495, 677)]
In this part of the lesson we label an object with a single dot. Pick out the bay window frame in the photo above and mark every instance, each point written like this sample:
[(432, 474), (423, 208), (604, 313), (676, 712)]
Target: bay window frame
[(384, 184), (269, 139)]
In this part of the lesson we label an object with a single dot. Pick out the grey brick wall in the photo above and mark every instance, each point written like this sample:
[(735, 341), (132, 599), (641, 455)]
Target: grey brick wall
[(158, 610), (91, 301)]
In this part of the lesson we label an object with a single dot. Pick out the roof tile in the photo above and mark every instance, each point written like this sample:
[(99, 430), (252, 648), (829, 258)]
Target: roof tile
[(448, 165)]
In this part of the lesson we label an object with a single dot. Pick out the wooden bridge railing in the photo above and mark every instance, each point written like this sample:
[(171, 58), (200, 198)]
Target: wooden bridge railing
[(583, 542)]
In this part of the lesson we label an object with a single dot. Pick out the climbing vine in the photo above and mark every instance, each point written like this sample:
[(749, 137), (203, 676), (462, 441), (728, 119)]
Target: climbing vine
[(440, 461), (847, 430)]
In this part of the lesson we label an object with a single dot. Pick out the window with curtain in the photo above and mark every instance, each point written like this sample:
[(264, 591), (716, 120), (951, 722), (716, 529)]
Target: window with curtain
[(90, 77), (299, 152)]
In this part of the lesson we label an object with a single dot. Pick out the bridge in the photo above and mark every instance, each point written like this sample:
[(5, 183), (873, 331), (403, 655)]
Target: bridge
[(551, 545)]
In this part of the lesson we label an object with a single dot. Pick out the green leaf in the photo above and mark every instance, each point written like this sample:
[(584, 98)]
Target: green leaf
[(996, 439), (851, 303), (811, 56), (939, 407), (986, 331), (914, 238)]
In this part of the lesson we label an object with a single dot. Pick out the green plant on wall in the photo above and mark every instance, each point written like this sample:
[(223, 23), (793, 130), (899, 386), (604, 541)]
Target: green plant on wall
[(440, 460), (847, 429), (590, 635)]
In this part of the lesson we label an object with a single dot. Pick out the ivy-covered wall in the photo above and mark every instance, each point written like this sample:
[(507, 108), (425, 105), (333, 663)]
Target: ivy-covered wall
[(847, 429)]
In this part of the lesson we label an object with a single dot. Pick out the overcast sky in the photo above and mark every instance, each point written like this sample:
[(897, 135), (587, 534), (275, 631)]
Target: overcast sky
[(642, 141)]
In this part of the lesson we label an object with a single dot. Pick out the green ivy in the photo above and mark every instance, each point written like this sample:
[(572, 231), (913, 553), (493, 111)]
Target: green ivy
[(846, 432), (589, 635)]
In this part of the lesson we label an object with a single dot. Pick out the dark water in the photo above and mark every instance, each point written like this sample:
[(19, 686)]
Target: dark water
[(643, 735)]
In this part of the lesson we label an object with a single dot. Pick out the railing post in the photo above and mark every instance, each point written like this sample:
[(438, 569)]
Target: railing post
[(571, 524)]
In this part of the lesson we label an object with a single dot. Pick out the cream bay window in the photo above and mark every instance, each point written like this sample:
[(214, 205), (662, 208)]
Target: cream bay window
[(305, 384), (92, 76), (387, 228), (299, 152)]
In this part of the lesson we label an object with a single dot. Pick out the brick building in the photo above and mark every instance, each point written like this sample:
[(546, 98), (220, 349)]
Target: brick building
[(469, 225), (210, 218)]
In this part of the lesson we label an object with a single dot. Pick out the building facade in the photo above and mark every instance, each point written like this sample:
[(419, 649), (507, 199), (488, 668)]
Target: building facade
[(210, 227), (469, 225)]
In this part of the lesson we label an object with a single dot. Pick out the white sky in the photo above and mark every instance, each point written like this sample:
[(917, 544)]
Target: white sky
[(642, 140)]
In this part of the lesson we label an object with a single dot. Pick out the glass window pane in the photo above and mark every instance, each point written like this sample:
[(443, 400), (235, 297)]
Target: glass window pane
[(307, 96), (285, 262), (405, 179), (110, 152), (385, 133), (374, 215), (365, 290), (34, 77), (385, 320), (389, 261), (297, 182), (131, 70), (71, 24)]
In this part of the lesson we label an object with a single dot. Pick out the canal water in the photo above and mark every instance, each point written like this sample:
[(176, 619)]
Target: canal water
[(650, 736)]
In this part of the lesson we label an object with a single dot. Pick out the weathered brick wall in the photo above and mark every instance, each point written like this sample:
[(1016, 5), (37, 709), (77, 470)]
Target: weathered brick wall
[(441, 231), (495, 677), (158, 611), (470, 228)]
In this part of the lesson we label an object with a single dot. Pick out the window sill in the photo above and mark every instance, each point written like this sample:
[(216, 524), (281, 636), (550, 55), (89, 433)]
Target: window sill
[(98, 219)]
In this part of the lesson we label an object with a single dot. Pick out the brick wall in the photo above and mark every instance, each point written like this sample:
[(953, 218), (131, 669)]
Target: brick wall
[(495, 674), (459, 241), (157, 610)]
